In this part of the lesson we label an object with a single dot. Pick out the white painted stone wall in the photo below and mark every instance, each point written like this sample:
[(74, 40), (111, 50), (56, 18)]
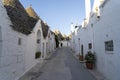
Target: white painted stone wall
[(52, 43), (16, 59), (73, 45), (104, 29), (107, 28), (65, 43), (83, 38), (12, 58), (31, 48)]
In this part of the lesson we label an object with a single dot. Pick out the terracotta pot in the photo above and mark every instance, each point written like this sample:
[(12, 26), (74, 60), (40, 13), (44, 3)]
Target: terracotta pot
[(81, 58), (89, 65)]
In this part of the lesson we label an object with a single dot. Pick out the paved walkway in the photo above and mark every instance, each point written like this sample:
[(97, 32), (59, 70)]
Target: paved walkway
[(62, 65)]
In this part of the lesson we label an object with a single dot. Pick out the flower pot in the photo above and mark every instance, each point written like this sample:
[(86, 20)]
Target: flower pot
[(89, 65), (80, 57)]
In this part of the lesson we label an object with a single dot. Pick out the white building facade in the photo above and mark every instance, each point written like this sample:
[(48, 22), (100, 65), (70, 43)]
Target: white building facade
[(18, 50), (101, 36)]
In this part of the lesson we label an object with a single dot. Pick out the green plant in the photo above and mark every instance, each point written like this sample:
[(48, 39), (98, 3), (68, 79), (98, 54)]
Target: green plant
[(37, 55), (90, 57), (57, 41)]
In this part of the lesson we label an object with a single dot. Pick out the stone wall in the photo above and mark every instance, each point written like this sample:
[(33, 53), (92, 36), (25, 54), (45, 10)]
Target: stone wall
[(97, 32), (17, 51), (107, 28)]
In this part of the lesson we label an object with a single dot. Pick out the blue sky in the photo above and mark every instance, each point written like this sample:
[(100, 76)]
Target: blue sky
[(58, 13)]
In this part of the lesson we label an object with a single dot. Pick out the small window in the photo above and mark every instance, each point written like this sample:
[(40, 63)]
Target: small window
[(109, 45), (98, 17), (91, 25), (90, 46), (38, 41), (19, 41)]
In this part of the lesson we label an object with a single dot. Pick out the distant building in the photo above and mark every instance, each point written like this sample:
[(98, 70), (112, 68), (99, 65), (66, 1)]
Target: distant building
[(65, 42)]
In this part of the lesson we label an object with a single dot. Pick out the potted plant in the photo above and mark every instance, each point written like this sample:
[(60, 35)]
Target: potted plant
[(37, 55), (90, 59), (81, 57)]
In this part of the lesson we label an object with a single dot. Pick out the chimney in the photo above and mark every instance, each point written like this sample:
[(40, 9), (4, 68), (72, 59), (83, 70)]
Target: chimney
[(87, 8), (72, 27)]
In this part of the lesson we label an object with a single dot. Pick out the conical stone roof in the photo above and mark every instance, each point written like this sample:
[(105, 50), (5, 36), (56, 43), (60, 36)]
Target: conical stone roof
[(21, 21), (31, 12), (45, 28)]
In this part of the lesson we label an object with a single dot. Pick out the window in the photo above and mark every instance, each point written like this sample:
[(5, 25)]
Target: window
[(19, 41), (98, 17), (38, 41), (90, 46), (91, 25), (109, 45)]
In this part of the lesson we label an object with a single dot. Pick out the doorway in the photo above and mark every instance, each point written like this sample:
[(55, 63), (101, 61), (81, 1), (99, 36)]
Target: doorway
[(43, 51), (82, 50)]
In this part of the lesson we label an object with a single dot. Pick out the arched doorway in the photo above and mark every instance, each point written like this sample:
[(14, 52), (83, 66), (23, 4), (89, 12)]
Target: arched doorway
[(38, 41)]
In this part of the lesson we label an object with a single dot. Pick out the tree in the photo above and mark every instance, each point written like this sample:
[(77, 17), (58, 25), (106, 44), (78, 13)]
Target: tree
[(57, 41)]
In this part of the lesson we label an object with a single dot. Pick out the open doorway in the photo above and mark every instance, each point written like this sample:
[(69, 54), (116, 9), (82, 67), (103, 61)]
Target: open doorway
[(43, 50), (82, 50)]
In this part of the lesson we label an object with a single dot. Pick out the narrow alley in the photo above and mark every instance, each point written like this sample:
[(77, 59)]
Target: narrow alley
[(61, 65)]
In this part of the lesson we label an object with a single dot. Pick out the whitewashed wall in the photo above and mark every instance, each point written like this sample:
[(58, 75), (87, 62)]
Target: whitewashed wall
[(107, 28), (65, 43), (85, 38), (32, 47), (73, 45), (15, 59), (104, 29), (52, 43), (12, 58)]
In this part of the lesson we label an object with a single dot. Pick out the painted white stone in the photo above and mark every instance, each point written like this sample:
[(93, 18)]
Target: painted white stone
[(97, 32), (64, 43), (15, 59)]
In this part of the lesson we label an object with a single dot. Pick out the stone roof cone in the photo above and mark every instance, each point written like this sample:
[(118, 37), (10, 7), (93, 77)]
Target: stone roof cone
[(14, 4), (21, 21), (31, 12), (45, 29)]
